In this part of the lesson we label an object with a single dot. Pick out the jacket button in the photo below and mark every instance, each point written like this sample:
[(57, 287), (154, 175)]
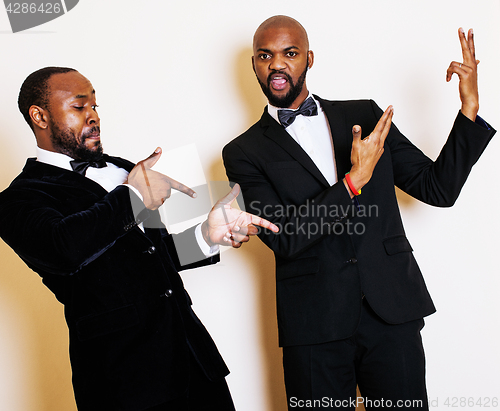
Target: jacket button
[(152, 250), (353, 260), (167, 293)]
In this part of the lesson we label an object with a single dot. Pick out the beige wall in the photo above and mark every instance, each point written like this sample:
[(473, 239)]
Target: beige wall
[(153, 62)]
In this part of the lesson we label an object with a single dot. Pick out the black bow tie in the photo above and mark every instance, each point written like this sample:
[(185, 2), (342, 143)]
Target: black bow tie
[(308, 108), (81, 166)]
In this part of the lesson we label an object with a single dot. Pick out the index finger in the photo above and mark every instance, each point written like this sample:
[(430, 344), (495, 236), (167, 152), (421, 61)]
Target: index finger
[(261, 222), (181, 187), (472, 48)]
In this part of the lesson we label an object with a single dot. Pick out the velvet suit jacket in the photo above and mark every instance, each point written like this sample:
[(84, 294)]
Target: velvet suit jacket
[(130, 320), (331, 252)]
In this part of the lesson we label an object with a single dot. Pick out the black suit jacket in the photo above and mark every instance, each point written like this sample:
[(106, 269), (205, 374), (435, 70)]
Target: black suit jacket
[(130, 320), (329, 251)]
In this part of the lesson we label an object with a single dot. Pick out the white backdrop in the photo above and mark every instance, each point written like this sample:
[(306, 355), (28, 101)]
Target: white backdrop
[(173, 73)]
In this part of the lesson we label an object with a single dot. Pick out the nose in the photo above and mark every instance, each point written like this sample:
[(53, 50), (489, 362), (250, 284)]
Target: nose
[(277, 63), (93, 117)]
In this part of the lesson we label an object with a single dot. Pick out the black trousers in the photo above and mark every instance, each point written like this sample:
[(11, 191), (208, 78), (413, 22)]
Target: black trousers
[(386, 361), (202, 394)]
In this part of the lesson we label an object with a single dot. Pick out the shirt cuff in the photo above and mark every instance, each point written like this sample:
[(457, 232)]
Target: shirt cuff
[(209, 251), (482, 123), (135, 190)]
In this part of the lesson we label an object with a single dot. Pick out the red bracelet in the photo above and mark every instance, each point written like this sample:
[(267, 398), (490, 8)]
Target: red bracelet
[(351, 186)]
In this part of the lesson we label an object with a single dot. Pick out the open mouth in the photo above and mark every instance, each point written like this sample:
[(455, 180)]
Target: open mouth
[(278, 81)]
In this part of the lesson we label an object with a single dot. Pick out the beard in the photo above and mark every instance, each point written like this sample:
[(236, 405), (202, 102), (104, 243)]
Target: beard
[(288, 99), (65, 142)]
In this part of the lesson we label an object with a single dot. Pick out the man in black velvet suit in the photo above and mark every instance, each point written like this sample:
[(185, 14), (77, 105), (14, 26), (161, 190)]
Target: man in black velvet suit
[(95, 237), (350, 296)]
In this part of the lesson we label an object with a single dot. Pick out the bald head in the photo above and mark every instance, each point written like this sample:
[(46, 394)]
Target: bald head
[(281, 58), (281, 22)]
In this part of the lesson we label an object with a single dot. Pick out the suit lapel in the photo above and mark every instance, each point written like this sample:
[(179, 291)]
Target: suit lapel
[(49, 172), (342, 138), (61, 176), (280, 136)]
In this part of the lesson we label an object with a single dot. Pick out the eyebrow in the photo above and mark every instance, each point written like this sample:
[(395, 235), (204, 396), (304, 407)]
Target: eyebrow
[(287, 49), (84, 95)]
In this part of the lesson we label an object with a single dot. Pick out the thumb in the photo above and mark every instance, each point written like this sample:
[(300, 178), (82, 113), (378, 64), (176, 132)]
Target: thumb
[(229, 197), (153, 158), (356, 133)]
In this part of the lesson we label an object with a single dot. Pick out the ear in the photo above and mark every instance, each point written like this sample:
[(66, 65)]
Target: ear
[(39, 117), (253, 64), (310, 54)]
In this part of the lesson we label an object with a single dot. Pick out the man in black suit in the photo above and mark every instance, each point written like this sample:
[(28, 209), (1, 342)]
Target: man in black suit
[(88, 224), (350, 296)]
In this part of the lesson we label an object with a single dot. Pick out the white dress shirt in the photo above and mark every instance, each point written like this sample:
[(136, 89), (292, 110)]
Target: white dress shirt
[(109, 178), (314, 136)]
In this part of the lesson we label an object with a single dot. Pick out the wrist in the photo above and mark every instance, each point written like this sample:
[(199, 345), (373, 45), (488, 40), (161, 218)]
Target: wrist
[(358, 179), (470, 111)]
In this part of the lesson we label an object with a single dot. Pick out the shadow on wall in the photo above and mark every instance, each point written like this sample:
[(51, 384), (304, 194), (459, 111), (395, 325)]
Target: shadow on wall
[(248, 87), (38, 337)]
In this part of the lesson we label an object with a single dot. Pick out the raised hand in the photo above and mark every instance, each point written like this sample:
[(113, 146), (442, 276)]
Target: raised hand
[(467, 74), (366, 152), (154, 187), (229, 226)]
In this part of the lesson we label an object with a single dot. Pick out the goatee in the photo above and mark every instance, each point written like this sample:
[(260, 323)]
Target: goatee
[(295, 89)]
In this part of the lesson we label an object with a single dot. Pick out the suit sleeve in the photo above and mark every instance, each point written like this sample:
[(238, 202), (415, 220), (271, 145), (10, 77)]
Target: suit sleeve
[(185, 251), (438, 182), (49, 241)]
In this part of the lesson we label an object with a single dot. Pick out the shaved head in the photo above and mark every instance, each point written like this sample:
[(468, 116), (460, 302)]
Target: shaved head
[(281, 22)]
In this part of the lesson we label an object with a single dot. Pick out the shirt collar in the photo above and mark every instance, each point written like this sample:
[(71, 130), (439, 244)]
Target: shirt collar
[(53, 158), (273, 111)]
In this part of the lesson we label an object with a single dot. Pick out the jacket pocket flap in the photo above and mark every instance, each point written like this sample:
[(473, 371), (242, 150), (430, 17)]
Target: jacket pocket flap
[(107, 322), (398, 244), (296, 268)]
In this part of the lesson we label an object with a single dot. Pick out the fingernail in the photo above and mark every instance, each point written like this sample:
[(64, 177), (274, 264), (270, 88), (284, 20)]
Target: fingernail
[(158, 149), (194, 195), (356, 129), (237, 228)]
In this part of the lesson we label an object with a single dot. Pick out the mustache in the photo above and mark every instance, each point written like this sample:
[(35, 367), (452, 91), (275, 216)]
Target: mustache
[(93, 130)]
